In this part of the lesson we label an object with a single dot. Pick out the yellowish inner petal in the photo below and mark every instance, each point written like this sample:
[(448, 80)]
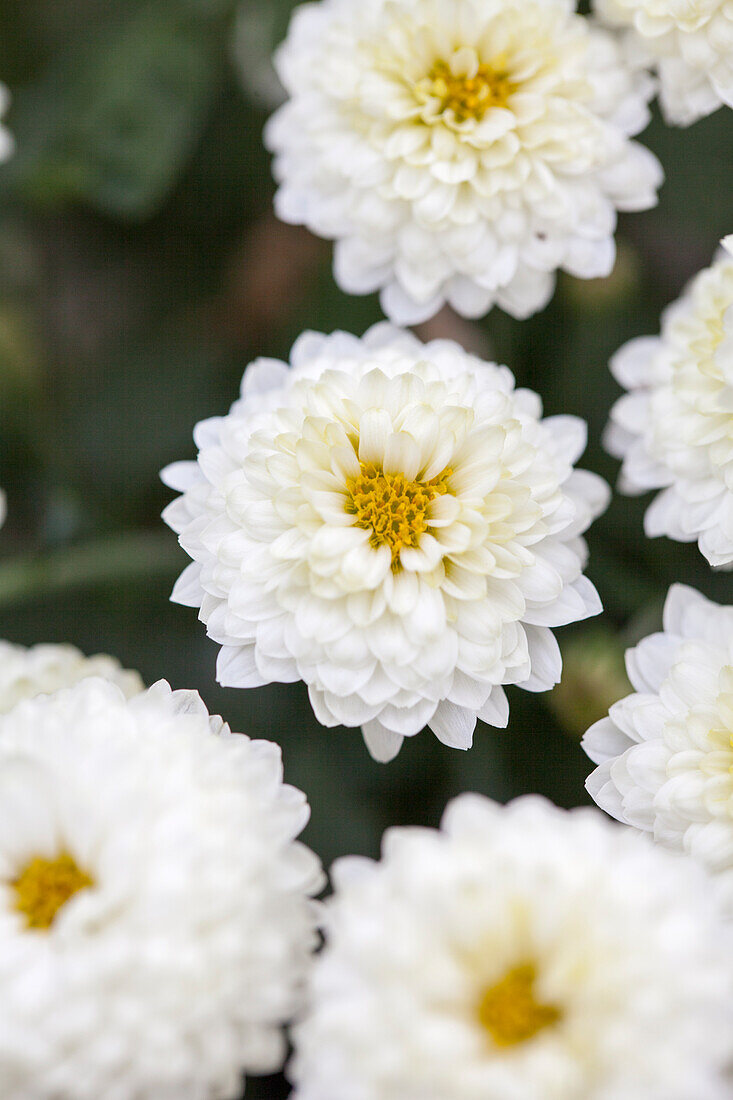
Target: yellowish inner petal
[(719, 757), (391, 507), (45, 885), (510, 1011), (470, 97)]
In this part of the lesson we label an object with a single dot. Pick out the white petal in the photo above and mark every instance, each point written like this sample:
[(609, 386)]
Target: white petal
[(187, 589), (401, 456), (180, 475), (544, 653), (495, 711), (383, 744), (375, 429), (453, 725), (570, 436), (605, 741), (236, 667)]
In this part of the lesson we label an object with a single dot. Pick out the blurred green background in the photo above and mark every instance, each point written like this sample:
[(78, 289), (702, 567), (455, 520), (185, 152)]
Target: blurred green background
[(141, 269)]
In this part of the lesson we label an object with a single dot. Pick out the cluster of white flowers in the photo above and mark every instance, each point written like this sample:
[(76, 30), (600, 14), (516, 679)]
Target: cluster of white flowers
[(665, 754), (155, 912), (523, 953), (459, 150), (392, 523), (690, 45), (674, 430), (396, 525)]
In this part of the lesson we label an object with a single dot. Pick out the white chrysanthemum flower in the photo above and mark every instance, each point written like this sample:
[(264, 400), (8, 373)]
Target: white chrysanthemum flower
[(688, 42), (459, 150), (155, 919), (665, 754), (43, 669), (674, 429), (392, 523), (520, 953)]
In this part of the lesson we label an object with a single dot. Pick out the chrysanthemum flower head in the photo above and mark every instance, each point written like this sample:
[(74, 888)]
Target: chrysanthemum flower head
[(674, 429), (665, 753), (459, 150), (392, 523), (690, 45), (42, 669), (155, 912), (519, 953)]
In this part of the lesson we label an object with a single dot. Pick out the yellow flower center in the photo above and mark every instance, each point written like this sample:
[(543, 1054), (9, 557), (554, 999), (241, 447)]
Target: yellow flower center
[(511, 1013), (393, 508), (45, 885), (470, 96)]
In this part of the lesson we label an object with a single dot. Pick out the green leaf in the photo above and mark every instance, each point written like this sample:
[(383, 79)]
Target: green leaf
[(107, 561), (113, 120)]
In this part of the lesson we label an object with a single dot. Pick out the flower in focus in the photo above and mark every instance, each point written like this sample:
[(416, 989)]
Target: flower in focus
[(519, 953), (43, 669), (665, 753), (392, 523), (459, 151), (674, 429), (155, 919), (688, 42)]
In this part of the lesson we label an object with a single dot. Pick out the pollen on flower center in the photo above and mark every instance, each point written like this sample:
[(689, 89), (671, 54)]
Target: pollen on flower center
[(511, 1013), (392, 507), (45, 885), (470, 96)]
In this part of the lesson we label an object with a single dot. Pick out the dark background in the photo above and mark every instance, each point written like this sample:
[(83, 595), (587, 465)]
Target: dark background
[(141, 269)]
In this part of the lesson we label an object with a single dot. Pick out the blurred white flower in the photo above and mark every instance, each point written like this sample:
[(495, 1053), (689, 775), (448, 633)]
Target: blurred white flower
[(155, 924), (665, 754), (390, 522), (521, 953), (674, 429), (3, 507), (43, 669), (459, 150), (7, 145), (688, 42)]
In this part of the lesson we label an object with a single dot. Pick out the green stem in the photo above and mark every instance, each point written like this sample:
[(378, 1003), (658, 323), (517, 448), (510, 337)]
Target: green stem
[(110, 560)]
